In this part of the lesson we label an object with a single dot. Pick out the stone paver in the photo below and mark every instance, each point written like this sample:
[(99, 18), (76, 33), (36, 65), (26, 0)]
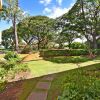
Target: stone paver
[(38, 96), (41, 95), (43, 85)]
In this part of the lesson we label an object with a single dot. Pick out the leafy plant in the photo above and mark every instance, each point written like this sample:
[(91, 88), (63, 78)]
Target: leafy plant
[(11, 55), (2, 73), (2, 85), (86, 92), (9, 65)]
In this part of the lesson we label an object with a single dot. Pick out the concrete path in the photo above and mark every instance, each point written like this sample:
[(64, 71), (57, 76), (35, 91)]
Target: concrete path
[(41, 90)]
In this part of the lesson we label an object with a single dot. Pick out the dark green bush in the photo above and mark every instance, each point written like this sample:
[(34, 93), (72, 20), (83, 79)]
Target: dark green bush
[(71, 59), (11, 55), (72, 52), (67, 52)]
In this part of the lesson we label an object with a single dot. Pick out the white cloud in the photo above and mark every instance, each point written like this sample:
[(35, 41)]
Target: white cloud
[(59, 2), (45, 2), (47, 11), (57, 11)]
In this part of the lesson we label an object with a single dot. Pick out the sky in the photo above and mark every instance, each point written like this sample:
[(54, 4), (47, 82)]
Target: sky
[(50, 8)]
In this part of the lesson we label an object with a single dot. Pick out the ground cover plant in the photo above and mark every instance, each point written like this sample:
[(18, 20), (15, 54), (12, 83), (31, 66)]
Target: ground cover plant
[(77, 84)]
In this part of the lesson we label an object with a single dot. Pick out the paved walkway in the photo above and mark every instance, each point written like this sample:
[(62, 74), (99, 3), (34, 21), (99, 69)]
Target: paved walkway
[(41, 90)]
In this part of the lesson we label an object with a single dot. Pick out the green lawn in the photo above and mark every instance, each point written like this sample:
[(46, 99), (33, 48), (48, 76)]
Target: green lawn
[(44, 67)]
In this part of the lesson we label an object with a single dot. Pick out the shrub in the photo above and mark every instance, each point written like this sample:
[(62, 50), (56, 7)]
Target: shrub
[(26, 50), (2, 73), (21, 67), (67, 52), (71, 59), (11, 55), (85, 92), (2, 85), (9, 64), (78, 45)]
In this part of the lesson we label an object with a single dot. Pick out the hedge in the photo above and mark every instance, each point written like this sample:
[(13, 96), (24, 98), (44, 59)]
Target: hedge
[(67, 52)]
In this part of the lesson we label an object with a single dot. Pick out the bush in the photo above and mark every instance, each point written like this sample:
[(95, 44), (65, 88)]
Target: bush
[(71, 59), (26, 50), (11, 55), (9, 65), (2, 85), (73, 91), (21, 67), (78, 45), (2, 73), (67, 52)]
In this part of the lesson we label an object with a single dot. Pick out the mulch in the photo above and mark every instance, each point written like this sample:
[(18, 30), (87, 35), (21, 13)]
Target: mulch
[(12, 91)]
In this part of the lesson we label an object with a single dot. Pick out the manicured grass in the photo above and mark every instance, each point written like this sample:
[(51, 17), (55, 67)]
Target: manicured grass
[(44, 67), (81, 77)]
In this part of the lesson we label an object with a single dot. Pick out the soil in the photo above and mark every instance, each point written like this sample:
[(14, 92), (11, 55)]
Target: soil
[(31, 57), (12, 91)]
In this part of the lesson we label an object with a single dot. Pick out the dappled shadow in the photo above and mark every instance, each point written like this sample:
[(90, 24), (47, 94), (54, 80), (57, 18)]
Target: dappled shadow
[(33, 60)]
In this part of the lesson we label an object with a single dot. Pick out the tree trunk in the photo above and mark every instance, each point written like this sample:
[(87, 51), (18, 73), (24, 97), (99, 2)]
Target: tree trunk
[(15, 34), (38, 45), (94, 42), (69, 44)]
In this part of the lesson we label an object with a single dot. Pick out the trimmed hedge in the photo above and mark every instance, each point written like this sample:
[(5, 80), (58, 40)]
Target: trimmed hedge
[(67, 52)]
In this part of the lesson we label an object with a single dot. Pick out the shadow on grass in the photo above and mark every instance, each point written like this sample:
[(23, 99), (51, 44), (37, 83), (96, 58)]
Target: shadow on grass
[(70, 59)]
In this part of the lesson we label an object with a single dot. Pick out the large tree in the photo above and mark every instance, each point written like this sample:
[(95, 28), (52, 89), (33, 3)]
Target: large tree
[(38, 28), (85, 16)]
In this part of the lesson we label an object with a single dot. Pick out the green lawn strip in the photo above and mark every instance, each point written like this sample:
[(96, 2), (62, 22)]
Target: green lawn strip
[(27, 87), (73, 76), (42, 67)]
